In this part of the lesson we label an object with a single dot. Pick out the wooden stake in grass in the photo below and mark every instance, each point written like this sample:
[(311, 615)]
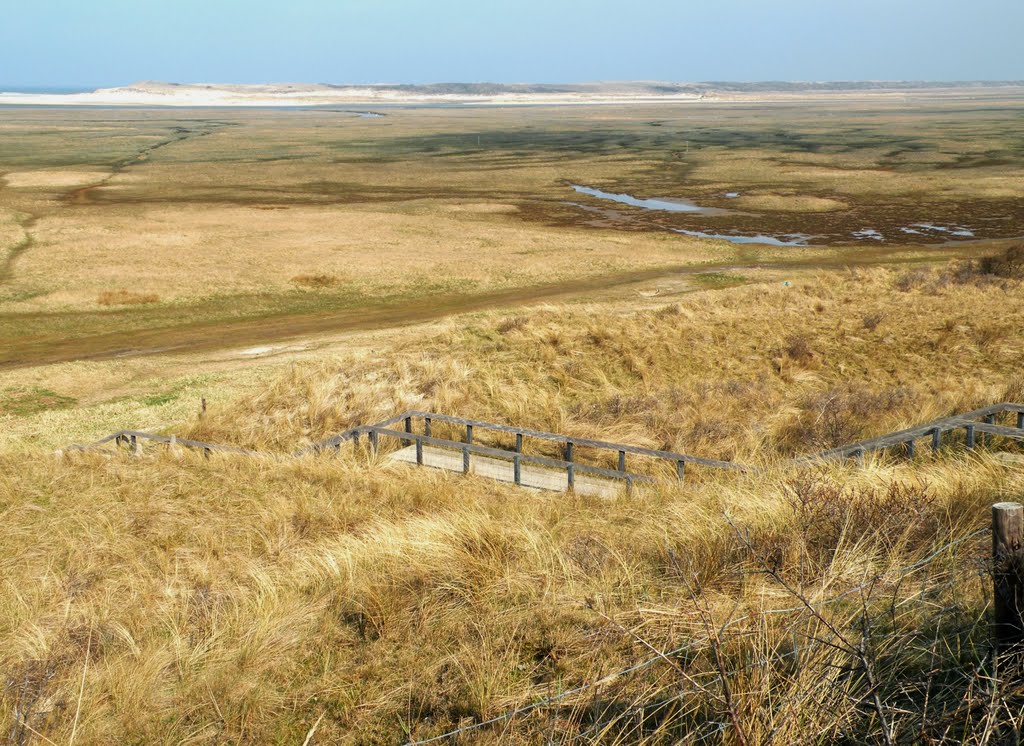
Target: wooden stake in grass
[(1008, 563)]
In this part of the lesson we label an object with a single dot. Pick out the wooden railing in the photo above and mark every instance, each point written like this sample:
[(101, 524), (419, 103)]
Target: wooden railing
[(971, 423), (568, 444), (133, 439)]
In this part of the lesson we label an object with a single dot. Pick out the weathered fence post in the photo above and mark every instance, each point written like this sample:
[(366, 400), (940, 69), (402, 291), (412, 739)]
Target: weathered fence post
[(517, 469), (1007, 563), (936, 439), (419, 451), (519, 442), (465, 460), (374, 444), (911, 449), (622, 460), (970, 436), (1020, 420), (408, 429), (469, 433), (680, 470)]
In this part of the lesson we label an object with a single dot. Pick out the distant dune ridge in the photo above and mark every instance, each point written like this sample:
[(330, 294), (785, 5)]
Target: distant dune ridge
[(155, 93)]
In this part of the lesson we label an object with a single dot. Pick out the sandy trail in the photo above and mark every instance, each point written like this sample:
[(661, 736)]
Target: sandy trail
[(220, 334)]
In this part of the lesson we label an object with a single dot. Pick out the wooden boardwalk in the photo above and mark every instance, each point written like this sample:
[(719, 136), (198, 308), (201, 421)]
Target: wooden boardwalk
[(512, 463), (531, 476)]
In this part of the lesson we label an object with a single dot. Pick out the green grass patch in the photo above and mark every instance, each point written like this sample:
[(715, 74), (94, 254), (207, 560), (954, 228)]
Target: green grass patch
[(23, 401), (714, 280)]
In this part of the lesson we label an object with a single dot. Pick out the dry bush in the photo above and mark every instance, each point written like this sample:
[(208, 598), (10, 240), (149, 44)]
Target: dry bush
[(512, 323), (1005, 269), (830, 517), (126, 298), (914, 278), (841, 415), (872, 320), (798, 348), (1008, 265)]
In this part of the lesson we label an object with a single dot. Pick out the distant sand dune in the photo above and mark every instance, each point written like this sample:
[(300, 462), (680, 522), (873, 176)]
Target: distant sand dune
[(153, 93)]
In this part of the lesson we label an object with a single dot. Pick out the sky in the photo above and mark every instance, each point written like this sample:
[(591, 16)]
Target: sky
[(90, 43)]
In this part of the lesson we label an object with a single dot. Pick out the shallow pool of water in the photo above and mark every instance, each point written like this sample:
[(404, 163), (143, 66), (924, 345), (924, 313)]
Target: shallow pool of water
[(868, 233), (664, 204), (952, 230), (787, 239)]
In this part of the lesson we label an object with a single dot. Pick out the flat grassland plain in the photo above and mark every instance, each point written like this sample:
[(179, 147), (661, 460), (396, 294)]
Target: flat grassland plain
[(307, 270)]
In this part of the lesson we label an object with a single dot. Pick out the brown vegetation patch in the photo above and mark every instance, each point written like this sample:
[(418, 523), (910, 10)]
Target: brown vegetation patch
[(126, 298), (317, 281)]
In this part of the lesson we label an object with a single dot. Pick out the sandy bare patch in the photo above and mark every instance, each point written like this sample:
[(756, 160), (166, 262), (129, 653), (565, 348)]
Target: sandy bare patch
[(44, 179)]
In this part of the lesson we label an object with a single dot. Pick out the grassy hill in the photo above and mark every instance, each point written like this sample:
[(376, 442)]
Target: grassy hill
[(171, 598)]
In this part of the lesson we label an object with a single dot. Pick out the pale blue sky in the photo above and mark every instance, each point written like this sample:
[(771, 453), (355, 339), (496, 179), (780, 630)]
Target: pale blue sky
[(112, 42)]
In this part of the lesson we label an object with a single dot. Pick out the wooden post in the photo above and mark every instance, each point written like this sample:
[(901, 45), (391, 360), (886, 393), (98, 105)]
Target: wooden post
[(517, 469), (936, 439), (568, 451), (469, 433), (680, 470), (989, 420), (373, 441), (570, 476), (465, 460), (622, 460), (419, 451), (859, 455), (519, 442), (1020, 420), (911, 449), (408, 429), (970, 436), (1007, 564)]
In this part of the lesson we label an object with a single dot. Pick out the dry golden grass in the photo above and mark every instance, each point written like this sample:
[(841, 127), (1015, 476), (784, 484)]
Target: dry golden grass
[(238, 600), (831, 358), (787, 203)]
